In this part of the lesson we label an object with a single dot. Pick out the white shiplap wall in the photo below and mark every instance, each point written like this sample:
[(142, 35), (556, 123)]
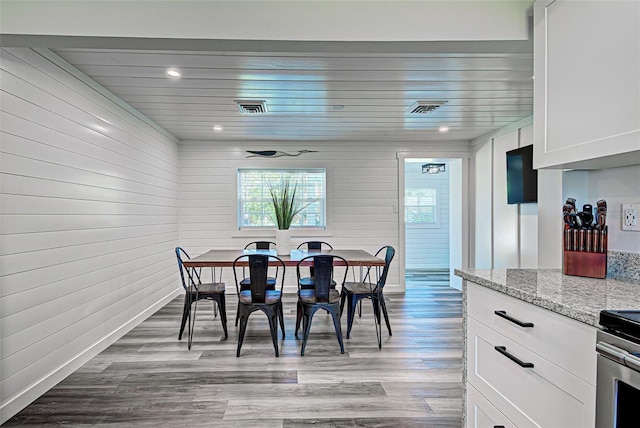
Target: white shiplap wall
[(506, 236), (362, 181), (89, 202), (427, 245)]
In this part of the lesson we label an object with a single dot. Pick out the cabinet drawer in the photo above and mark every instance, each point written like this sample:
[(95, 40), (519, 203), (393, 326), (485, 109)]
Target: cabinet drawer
[(544, 395), (481, 413), (568, 343)]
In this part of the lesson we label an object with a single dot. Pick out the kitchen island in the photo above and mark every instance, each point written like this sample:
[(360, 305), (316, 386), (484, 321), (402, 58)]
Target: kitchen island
[(530, 340)]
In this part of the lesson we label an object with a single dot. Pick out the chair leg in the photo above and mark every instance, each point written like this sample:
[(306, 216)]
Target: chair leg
[(360, 310), (306, 325), (351, 313), (191, 319), (376, 308), (343, 298), (281, 316), (185, 315), (237, 314), (272, 315), (375, 302), (223, 314), (336, 324), (243, 329), (298, 317), (384, 312)]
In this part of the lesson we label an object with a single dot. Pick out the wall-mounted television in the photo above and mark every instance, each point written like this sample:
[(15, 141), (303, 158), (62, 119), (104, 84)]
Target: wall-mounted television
[(522, 179)]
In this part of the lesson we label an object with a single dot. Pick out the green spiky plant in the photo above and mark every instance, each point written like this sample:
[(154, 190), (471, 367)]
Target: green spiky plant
[(285, 204)]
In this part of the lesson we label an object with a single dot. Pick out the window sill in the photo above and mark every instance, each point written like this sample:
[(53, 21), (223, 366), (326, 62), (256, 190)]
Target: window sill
[(295, 233)]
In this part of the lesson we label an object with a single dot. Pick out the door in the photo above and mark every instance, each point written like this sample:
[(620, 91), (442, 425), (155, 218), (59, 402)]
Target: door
[(431, 220)]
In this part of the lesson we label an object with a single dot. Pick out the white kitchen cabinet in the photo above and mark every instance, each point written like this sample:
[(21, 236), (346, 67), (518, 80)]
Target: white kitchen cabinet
[(557, 390), (554, 337), (482, 414), (587, 84)]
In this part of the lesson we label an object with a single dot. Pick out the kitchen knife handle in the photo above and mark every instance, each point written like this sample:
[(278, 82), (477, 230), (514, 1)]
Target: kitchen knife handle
[(518, 361), (503, 314)]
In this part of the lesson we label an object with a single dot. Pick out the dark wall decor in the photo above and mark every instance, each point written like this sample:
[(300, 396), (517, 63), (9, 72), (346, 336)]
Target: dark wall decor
[(275, 153)]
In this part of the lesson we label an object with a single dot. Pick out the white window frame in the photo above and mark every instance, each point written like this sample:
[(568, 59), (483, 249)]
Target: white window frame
[(436, 222), (324, 209)]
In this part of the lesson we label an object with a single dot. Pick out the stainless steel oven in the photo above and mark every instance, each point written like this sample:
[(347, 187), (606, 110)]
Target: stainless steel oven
[(618, 381)]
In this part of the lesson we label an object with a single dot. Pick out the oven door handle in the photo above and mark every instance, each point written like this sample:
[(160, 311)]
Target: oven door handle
[(632, 361), (612, 352)]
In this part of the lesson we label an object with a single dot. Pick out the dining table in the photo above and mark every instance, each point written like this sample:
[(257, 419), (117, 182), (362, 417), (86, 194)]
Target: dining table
[(220, 258), (225, 258)]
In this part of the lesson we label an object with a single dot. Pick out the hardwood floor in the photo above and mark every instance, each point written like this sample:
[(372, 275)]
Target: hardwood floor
[(149, 378)]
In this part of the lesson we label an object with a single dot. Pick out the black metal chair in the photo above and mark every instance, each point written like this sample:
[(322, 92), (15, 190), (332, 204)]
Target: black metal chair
[(354, 292), (321, 296), (245, 283), (259, 296), (196, 290), (307, 281), (260, 245)]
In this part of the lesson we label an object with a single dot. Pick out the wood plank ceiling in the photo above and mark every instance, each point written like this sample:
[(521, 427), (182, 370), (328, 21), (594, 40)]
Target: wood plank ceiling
[(328, 96)]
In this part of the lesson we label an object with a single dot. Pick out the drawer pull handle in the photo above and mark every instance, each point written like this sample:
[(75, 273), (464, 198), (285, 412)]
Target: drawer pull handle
[(504, 315), (518, 361), (498, 426)]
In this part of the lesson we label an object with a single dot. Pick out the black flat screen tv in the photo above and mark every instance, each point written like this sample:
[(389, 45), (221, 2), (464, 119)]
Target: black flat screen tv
[(522, 179)]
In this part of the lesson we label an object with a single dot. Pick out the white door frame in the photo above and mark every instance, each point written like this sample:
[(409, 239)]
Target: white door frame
[(401, 156)]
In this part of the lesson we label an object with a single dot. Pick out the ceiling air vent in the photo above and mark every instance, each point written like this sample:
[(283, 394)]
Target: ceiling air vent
[(252, 106), (424, 107)]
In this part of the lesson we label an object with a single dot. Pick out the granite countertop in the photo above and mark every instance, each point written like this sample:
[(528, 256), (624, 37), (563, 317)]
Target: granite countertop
[(576, 297)]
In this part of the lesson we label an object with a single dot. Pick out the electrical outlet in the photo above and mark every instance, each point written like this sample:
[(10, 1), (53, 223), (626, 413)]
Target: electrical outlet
[(630, 217)]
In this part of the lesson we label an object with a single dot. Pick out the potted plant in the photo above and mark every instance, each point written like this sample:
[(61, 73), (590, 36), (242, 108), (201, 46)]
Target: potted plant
[(285, 207)]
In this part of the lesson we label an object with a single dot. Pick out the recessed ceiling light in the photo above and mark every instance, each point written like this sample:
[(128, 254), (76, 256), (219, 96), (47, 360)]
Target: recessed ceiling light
[(172, 72), (443, 129), (217, 128)]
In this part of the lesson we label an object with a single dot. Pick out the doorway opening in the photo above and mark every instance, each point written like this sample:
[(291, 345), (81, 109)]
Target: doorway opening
[(432, 208)]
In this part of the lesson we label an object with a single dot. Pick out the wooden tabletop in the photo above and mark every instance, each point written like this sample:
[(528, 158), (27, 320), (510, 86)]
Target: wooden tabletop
[(225, 258)]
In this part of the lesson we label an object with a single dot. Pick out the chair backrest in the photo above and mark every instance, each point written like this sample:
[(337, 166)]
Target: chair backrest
[(315, 245), (258, 267), (260, 245), (190, 272), (390, 252), (323, 268)]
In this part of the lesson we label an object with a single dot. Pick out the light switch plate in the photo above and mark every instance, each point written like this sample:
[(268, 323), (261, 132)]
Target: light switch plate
[(630, 217)]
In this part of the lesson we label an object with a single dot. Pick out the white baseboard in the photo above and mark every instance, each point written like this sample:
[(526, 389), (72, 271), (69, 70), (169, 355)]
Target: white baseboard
[(12, 405)]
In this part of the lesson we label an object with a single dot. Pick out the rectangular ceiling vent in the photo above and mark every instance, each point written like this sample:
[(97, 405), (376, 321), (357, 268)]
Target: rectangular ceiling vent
[(252, 106), (424, 107)]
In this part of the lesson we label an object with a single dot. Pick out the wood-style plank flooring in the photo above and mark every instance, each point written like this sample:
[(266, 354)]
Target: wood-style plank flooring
[(149, 378)]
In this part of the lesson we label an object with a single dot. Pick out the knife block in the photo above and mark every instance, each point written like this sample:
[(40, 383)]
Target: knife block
[(589, 264)]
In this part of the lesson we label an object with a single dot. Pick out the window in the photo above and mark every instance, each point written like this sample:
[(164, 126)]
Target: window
[(254, 199), (420, 205)]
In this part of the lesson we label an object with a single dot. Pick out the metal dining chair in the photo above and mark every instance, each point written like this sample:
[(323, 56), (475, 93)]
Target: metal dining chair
[(196, 290), (307, 282), (259, 296), (321, 296), (354, 292), (245, 283)]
